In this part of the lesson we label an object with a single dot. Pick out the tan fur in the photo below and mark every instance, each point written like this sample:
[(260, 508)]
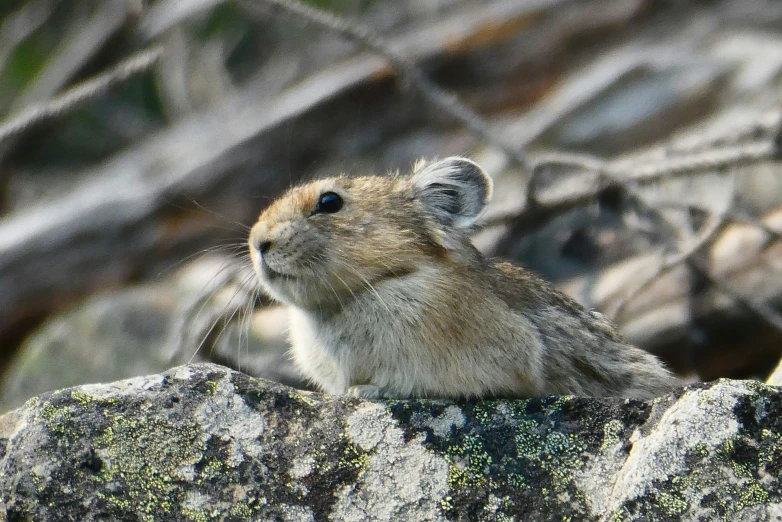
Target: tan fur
[(387, 299)]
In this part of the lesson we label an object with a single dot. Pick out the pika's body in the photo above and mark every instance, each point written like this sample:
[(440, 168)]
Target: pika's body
[(389, 298)]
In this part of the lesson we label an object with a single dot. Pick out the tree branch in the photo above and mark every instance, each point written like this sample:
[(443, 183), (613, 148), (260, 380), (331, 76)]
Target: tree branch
[(78, 95), (439, 98)]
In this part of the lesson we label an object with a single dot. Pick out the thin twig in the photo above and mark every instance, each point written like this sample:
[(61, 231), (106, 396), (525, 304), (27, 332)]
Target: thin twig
[(772, 235), (640, 168), (706, 238), (447, 102), (625, 172), (79, 94), (761, 309), (698, 161)]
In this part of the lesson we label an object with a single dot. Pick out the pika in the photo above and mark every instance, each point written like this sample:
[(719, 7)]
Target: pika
[(389, 298)]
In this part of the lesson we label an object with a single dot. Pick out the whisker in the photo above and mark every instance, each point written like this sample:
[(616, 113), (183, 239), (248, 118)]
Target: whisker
[(309, 265), (251, 303), (226, 324), (230, 249), (222, 315), (203, 300), (367, 284), (371, 287), (216, 214), (244, 332), (245, 317)]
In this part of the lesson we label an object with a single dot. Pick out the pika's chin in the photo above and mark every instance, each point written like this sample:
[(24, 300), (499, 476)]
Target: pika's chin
[(291, 290), (278, 286)]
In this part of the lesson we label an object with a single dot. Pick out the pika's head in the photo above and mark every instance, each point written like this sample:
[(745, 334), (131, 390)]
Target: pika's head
[(326, 241)]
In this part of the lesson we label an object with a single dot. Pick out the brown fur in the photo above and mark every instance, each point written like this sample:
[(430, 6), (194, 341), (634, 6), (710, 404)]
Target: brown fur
[(390, 299)]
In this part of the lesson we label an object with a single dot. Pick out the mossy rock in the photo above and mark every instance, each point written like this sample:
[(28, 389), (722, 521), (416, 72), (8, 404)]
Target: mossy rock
[(202, 443)]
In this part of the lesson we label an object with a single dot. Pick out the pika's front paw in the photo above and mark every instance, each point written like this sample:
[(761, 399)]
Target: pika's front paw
[(366, 391)]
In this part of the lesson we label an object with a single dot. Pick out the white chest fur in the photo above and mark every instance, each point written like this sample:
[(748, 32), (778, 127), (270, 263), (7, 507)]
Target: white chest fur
[(413, 337)]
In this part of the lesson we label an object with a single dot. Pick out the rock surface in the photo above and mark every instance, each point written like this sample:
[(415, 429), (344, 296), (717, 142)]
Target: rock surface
[(202, 442)]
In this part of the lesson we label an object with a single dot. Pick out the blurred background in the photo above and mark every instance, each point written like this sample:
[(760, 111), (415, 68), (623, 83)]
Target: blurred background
[(141, 138)]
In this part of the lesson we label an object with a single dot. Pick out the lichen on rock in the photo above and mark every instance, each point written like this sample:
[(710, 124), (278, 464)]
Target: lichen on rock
[(202, 443)]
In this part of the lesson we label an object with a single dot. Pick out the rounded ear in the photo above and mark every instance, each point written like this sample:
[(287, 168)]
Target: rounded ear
[(455, 190)]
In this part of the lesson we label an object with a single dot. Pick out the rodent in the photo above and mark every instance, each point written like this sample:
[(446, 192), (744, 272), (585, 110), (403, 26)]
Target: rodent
[(389, 298)]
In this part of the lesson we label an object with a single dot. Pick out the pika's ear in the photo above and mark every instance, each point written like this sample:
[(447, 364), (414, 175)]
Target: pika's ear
[(455, 190)]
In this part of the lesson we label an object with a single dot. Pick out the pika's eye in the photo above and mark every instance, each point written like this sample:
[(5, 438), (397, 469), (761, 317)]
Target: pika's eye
[(329, 203)]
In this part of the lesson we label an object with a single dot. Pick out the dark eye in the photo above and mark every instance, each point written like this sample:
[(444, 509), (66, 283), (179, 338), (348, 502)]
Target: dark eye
[(329, 203)]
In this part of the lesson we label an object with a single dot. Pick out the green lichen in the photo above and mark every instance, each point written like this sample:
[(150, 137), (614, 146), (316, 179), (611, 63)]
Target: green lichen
[(144, 455), (196, 515), (612, 434), (725, 480), (211, 387), (752, 494), (756, 387), (502, 517), (212, 468), (85, 399), (517, 481), (527, 441), (557, 453), (57, 419), (701, 449), (351, 457), (724, 454), (672, 503), (295, 395), (468, 464), (37, 482), (618, 516), (241, 510), (49, 412), (516, 450), (81, 398), (446, 503)]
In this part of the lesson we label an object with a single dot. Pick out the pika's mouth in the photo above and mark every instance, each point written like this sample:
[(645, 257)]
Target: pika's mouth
[(269, 274), (272, 275)]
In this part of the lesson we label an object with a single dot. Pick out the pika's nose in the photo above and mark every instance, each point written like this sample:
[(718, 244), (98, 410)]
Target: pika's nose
[(264, 246)]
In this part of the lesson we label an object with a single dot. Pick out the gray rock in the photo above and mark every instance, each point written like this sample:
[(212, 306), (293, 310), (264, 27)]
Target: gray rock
[(129, 333), (202, 442)]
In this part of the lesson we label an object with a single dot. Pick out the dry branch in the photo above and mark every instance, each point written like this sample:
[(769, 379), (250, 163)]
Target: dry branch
[(76, 96), (101, 234), (82, 41), (711, 229), (758, 307), (739, 255), (764, 311), (411, 75)]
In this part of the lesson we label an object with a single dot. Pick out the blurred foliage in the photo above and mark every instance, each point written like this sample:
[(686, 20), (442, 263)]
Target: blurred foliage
[(131, 110), (25, 63), (567, 77)]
